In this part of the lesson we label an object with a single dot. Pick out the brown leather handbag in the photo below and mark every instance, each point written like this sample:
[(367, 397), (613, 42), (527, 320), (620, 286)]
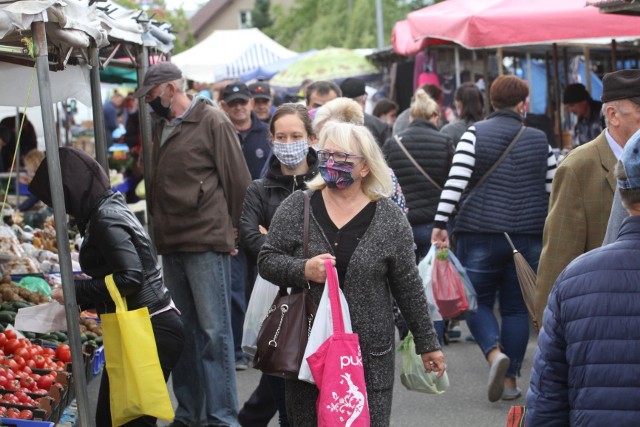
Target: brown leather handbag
[(285, 331)]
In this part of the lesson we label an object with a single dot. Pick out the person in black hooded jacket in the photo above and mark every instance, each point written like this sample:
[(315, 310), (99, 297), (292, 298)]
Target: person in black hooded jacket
[(292, 164), (114, 243)]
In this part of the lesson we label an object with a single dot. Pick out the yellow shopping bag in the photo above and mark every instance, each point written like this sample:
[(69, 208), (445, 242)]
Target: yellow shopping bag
[(136, 382)]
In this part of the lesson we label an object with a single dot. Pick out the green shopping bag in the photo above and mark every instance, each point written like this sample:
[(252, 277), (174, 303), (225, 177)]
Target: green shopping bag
[(413, 375), (136, 382)]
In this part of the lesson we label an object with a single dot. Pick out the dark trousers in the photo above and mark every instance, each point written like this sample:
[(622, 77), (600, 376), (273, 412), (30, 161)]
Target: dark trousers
[(267, 399), (167, 328)]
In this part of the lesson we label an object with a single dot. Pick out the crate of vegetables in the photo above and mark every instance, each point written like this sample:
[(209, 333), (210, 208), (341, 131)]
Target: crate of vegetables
[(12, 422)]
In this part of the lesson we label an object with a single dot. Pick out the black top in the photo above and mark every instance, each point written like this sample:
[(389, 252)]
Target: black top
[(343, 240)]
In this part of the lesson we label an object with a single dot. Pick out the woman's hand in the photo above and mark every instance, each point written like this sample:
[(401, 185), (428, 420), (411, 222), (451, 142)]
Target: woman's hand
[(314, 269), (440, 237), (262, 229), (434, 362), (57, 295)]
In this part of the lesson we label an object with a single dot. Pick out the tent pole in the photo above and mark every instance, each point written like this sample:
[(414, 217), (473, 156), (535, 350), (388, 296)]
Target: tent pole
[(62, 234), (614, 55), (16, 166), (485, 70), (530, 79), (96, 104), (145, 133), (587, 68), (456, 58), (500, 59), (556, 96)]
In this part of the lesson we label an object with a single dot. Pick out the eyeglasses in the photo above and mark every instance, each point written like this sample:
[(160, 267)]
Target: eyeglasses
[(338, 156)]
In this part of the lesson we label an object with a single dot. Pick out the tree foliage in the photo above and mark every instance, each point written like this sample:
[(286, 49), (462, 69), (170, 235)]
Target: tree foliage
[(313, 24), (180, 25), (261, 15)]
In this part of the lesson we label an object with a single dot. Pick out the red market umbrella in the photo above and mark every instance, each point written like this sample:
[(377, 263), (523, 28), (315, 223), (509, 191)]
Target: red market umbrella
[(476, 24)]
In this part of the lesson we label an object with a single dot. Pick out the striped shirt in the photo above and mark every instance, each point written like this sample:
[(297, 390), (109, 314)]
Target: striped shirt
[(464, 161)]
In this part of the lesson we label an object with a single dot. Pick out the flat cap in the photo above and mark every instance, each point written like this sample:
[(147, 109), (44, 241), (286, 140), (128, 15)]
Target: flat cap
[(623, 84), (159, 73), (630, 160)]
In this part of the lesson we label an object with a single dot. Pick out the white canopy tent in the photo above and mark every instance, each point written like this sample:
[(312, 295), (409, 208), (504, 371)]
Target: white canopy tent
[(227, 54)]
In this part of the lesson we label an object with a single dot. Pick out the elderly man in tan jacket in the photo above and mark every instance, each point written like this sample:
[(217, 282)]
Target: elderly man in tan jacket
[(584, 185)]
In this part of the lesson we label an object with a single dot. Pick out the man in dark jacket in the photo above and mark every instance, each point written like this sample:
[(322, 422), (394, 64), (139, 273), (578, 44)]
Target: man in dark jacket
[(254, 135), (238, 103), (354, 88), (198, 183), (578, 101), (586, 369)]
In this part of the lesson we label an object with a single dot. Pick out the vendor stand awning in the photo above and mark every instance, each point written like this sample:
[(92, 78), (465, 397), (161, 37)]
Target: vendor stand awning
[(476, 24)]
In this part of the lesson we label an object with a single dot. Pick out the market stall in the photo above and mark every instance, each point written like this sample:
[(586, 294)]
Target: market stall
[(51, 51)]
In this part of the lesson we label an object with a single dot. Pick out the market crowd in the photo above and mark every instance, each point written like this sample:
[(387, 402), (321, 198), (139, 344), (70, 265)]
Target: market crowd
[(243, 189)]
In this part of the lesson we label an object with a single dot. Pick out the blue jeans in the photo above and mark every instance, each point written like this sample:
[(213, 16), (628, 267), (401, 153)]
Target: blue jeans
[(238, 300), (488, 259), (422, 239), (204, 380)]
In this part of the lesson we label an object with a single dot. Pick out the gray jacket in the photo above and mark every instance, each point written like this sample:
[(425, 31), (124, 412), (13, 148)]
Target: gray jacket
[(381, 268), (618, 214)]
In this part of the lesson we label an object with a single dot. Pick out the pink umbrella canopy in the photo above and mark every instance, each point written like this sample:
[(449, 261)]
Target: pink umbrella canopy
[(478, 24)]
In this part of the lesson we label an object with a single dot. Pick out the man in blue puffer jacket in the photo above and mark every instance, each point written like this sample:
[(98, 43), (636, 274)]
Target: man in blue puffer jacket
[(587, 366)]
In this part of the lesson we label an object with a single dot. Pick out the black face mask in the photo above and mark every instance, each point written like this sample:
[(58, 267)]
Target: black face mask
[(161, 110)]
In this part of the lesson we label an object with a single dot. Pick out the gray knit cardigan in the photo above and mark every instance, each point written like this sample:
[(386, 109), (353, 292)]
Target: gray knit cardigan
[(381, 268)]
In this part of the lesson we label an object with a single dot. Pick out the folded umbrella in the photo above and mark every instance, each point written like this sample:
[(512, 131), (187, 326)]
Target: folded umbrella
[(527, 280)]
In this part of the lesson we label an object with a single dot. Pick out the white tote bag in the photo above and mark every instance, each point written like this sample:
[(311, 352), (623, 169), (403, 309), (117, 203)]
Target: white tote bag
[(322, 329), (425, 268), (262, 296)]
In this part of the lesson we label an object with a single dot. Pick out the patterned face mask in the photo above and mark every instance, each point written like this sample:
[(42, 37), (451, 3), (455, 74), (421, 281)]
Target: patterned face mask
[(337, 175), (291, 154)]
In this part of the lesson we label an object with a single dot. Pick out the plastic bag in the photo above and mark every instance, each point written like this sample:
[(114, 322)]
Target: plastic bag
[(425, 268), (322, 329), (36, 284), (262, 295), (413, 375), (470, 292), (42, 318), (448, 290)]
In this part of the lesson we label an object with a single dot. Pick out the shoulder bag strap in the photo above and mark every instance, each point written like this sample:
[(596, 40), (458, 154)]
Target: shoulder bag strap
[(410, 157), (500, 159), (305, 236)]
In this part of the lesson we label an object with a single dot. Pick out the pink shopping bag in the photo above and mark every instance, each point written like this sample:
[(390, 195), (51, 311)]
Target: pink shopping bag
[(338, 372)]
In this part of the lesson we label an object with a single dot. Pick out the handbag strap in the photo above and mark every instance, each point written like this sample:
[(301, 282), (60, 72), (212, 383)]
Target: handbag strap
[(410, 157), (500, 159), (305, 235), (334, 297), (121, 303)]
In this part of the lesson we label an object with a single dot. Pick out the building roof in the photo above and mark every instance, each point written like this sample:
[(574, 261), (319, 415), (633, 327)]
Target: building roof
[(624, 7), (200, 19)]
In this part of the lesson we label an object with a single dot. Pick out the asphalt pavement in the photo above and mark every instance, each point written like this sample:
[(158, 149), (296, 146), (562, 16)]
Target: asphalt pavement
[(464, 404)]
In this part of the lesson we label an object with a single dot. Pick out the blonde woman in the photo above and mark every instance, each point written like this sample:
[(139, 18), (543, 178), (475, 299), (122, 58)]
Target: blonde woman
[(352, 221)]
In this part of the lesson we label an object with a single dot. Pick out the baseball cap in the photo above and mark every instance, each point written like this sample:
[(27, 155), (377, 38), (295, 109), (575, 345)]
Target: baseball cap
[(236, 90), (260, 90), (352, 87), (630, 160), (623, 84), (574, 93), (159, 73)]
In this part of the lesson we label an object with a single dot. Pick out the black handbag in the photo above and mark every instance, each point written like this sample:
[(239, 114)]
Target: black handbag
[(285, 331)]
